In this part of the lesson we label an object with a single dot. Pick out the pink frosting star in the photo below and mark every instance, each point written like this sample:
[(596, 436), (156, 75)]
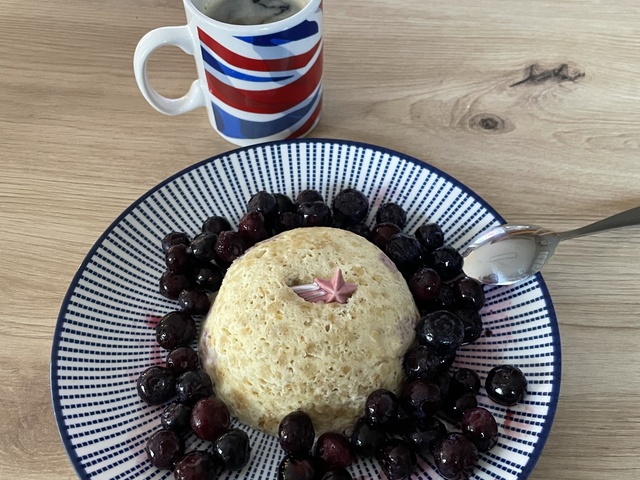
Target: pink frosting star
[(336, 289)]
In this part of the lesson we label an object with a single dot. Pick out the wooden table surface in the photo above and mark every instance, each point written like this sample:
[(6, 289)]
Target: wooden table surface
[(533, 105)]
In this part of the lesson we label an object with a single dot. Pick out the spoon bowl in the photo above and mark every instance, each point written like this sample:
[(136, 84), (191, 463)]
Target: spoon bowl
[(507, 254)]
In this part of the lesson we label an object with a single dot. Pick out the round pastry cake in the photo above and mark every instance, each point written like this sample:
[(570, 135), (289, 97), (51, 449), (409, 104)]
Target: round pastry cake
[(269, 351)]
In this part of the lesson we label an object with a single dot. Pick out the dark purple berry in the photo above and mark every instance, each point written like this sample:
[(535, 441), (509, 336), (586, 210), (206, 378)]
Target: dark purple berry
[(164, 448), (397, 459), (292, 468), (216, 224), (366, 439), (443, 380), (209, 418), (178, 258), (506, 385), (401, 423), (296, 433), (404, 250), (447, 262), (421, 398), (360, 229), (252, 228), (171, 284), (469, 293), (265, 204), (193, 385), (424, 436), (182, 359), (480, 426), (194, 301), (445, 298), (176, 417), (440, 330), (381, 233), (423, 362), (472, 321), (465, 380), (381, 406), (425, 284), (308, 196), (174, 238), (285, 204), (196, 465), (430, 236), (392, 213), (334, 450), (336, 474), (285, 221), (314, 214), (350, 207), (229, 246), (455, 457), (175, 329), (203, 246), (209, 277), (156, 385), (232, 449), (456, 405)]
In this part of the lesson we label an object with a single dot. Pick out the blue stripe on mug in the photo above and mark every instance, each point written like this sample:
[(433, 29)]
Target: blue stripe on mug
[(301, 31), (235, 127), (230, 72)]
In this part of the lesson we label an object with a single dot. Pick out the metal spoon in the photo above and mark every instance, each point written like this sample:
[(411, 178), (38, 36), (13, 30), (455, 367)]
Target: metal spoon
[(507, 254)]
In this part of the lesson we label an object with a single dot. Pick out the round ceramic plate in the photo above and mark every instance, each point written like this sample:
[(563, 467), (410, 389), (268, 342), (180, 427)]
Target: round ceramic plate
[(105, 338)]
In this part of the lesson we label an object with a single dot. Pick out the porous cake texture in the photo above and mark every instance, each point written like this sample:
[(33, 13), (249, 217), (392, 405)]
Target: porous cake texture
[(269, 352)]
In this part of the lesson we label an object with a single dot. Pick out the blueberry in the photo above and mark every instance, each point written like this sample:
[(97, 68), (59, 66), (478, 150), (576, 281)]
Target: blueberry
[(469, 293), (381, 406), (193, 385), (216, 224), (178, 258), (156, 385), (296, 433), (440, 330), (404, 250), (381, 233), (171, 284), (196, 465), (176, 417), (397, 459), (456, 404), (284, 203), (334, 450), (430, 236), (472, 322), (480, 426), (264, 203), (336, 474), (506, 385), (424, 436), (253, 228), (164, 448), (174, 238), (292, 468), (175, 329), (285, 221), (182, 359), (208, 277), (393, 213), (447, 262), (314, 214), (425, 284), (366, 439), (455, 456), (194, 301), (232, 449), (422, 361), (203, 246), (229, 247), (350, 207), (360, 229), (210, 418), (465, 380), (421, 398), (308, 195)]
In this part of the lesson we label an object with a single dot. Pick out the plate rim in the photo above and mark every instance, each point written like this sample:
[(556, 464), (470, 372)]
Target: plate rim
[(53, 362)]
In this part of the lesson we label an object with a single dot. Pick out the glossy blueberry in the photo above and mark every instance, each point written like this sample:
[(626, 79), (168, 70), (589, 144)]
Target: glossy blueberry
[(472, 321), (430, 236), (210, 418), (156, 385), (424, 436), (308, 195), (216, 224), (174, 238), (182, 359), (366, 439), (506, 385), (469, 293), (164, 448), (296, 433), (176, 417), (193, 385), (455, 456), (397, 459), (425, 284), (175, 329), (404, 250), (171, 284), (203, 246), (334, 450), (421, 398), (480, 426), (381, 233), (232, 449), (196, 465), (441, 330), (208, 277), (392, 213), (381, 406), (447, 262), (253, 228), (194, 301), (350, 207), (285, 221), (265, 204), (229, 246), (314, 214), (178, 258)]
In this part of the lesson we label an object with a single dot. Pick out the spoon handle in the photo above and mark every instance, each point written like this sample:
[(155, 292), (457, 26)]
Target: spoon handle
[(628, 218)]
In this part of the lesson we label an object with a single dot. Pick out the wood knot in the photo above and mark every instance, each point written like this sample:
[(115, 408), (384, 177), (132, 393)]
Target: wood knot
[(562, 73), (489, 123)]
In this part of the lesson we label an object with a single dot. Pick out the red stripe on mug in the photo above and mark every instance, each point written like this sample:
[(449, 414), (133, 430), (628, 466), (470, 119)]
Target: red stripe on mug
[(275, 100), (274, 65)]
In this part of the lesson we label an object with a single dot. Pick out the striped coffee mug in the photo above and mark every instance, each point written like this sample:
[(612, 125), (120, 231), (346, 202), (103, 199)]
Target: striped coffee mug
[(258, 83)]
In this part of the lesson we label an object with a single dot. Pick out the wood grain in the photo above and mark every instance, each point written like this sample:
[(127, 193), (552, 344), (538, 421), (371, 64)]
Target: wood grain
[(533, 105)]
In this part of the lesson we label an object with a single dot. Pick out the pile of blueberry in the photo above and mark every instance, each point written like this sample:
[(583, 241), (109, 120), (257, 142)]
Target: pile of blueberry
[(393, 428)]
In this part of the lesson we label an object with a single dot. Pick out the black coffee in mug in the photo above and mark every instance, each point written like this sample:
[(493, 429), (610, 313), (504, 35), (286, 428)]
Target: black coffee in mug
[(251, 12)]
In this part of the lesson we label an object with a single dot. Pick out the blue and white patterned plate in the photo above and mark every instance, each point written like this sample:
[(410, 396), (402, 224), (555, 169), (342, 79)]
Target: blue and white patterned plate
[(104, 337)]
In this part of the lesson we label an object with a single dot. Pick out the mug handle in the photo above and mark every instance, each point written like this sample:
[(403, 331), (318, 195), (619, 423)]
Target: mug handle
[(181, 38)]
